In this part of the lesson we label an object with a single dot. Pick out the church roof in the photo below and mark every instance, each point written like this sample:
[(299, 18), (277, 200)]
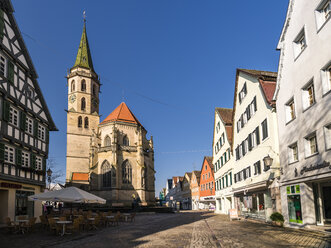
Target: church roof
[(123, 114), (84, 58)]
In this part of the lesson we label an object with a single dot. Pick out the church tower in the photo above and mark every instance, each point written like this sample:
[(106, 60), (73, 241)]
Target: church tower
[(83, 111)]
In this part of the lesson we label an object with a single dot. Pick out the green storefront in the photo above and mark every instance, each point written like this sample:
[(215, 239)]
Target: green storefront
[(294, 203)]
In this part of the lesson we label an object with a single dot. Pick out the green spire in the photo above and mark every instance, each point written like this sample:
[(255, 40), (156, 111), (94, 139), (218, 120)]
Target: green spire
[(84, 58)]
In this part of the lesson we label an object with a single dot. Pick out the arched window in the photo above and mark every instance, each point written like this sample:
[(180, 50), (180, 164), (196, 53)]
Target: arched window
[(108, 175), (72, 86), (144, 177), (126, 172), (83, 85), (94, 90), (126, 141), (107, 141), (80, 121), (83, 104), (86, 122)]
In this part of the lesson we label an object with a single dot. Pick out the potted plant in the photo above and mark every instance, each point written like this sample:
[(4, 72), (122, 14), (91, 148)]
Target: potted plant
[(277, 219)]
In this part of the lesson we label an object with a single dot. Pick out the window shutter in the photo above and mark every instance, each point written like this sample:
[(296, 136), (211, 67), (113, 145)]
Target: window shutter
[(254, 101), (10, 71), (2, 24), (249, 171), (2, 152), (22, 120), (243, 148), (245, 89), (258, 164), (44, 164), (33, 161), (5, 110), (249, 142), (35, 129), (230, 175), (47, 135), (18, 157), (257, 133), (248, 111), (266, 128)]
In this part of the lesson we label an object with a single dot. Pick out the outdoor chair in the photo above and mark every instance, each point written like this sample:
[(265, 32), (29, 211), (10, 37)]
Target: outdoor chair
[(116, 219), (75, 227), (21, 217), (63, 218), (82, 222), (109, 213), (132, 217), (43, 221), (53, 226), (30, 225), (10, 225)]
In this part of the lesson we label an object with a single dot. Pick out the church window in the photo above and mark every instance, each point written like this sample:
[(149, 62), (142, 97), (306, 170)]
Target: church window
[(83, 86), (126, 141), (107, 141), (108, 175), (86, 122), (80, 121), (83, 104), (72, 86), (126, 172)]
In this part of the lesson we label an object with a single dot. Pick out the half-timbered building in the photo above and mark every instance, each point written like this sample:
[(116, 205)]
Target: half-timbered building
[(25, 123)]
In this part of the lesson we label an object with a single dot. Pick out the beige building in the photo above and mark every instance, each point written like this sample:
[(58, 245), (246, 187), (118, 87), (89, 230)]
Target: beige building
[(113, 159)]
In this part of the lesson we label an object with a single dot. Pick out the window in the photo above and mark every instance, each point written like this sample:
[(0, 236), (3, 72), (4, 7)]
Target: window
[(22, 205), (9, 154), (218, 127), (86, 122), (80, 121), (25, 159), (126, 141), (41, 132), (300, 43), (108, 175), (72, 86), (29, 125), (39, 164), (13, 116), (264, 129), (311, 144), (208, 174), (83, 85), (2, 65), (126, 172), (257, 168), (83, 104), (293, 153), (94, 90), (327, 135), (308, 96), (242, 93), (107, 141), (326, 79), (290, 110), (322, 13)]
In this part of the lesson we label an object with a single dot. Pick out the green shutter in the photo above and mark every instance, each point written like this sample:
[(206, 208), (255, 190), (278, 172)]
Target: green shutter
[(10, 71), (33, 161), (18, 157), (5, 110), (2, 152), (22, 120), (2, 24), (47, 135), (35, 129), (44, 164)]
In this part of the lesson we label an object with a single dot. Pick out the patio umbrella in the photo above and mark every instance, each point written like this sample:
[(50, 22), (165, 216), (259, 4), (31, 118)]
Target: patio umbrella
[(70, 194)]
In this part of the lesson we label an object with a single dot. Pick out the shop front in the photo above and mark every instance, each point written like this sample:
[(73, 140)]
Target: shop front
[(207, 203), (14, 200)]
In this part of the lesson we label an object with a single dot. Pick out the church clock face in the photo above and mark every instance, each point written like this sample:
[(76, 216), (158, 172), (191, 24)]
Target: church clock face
[(72, 98)]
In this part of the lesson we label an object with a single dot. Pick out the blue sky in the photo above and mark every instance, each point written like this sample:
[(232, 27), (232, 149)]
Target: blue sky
[(173, 62)]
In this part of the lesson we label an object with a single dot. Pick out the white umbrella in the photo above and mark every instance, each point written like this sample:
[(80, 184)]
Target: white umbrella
[(70, 194)]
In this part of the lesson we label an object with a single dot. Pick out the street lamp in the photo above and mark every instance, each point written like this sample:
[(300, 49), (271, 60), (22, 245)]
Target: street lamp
[(268, 161), (49, 177)]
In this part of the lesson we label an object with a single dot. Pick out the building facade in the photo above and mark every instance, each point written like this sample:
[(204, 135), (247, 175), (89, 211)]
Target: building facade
[(223, 160), (25, 123), (195, 186), (112, 159), (207, 185), (303, 110), (255, 137), (186, 202)]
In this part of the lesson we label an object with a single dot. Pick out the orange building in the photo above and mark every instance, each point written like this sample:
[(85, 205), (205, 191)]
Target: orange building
[(207, 185)]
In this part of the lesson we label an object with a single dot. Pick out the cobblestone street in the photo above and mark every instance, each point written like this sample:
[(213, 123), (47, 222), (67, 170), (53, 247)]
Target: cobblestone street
[(185, 229)]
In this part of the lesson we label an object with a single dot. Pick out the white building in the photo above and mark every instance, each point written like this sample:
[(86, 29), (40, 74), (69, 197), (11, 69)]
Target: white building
[(303, 96), (223, 160), (255, 138)]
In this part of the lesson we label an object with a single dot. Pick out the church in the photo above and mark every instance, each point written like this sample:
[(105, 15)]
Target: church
[(113, 158)]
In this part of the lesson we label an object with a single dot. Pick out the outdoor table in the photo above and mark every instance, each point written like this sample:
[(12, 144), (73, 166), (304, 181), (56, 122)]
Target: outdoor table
[(109, 217), (56, 218), (91, 224), (126, 215), (63, 223), (20, 225)]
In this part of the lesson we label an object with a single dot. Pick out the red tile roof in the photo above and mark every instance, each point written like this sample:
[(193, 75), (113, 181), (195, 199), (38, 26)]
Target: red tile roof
[(268, 88), (228, 130), (210, 162), (123, 114), (226, 114), (80, 176)]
